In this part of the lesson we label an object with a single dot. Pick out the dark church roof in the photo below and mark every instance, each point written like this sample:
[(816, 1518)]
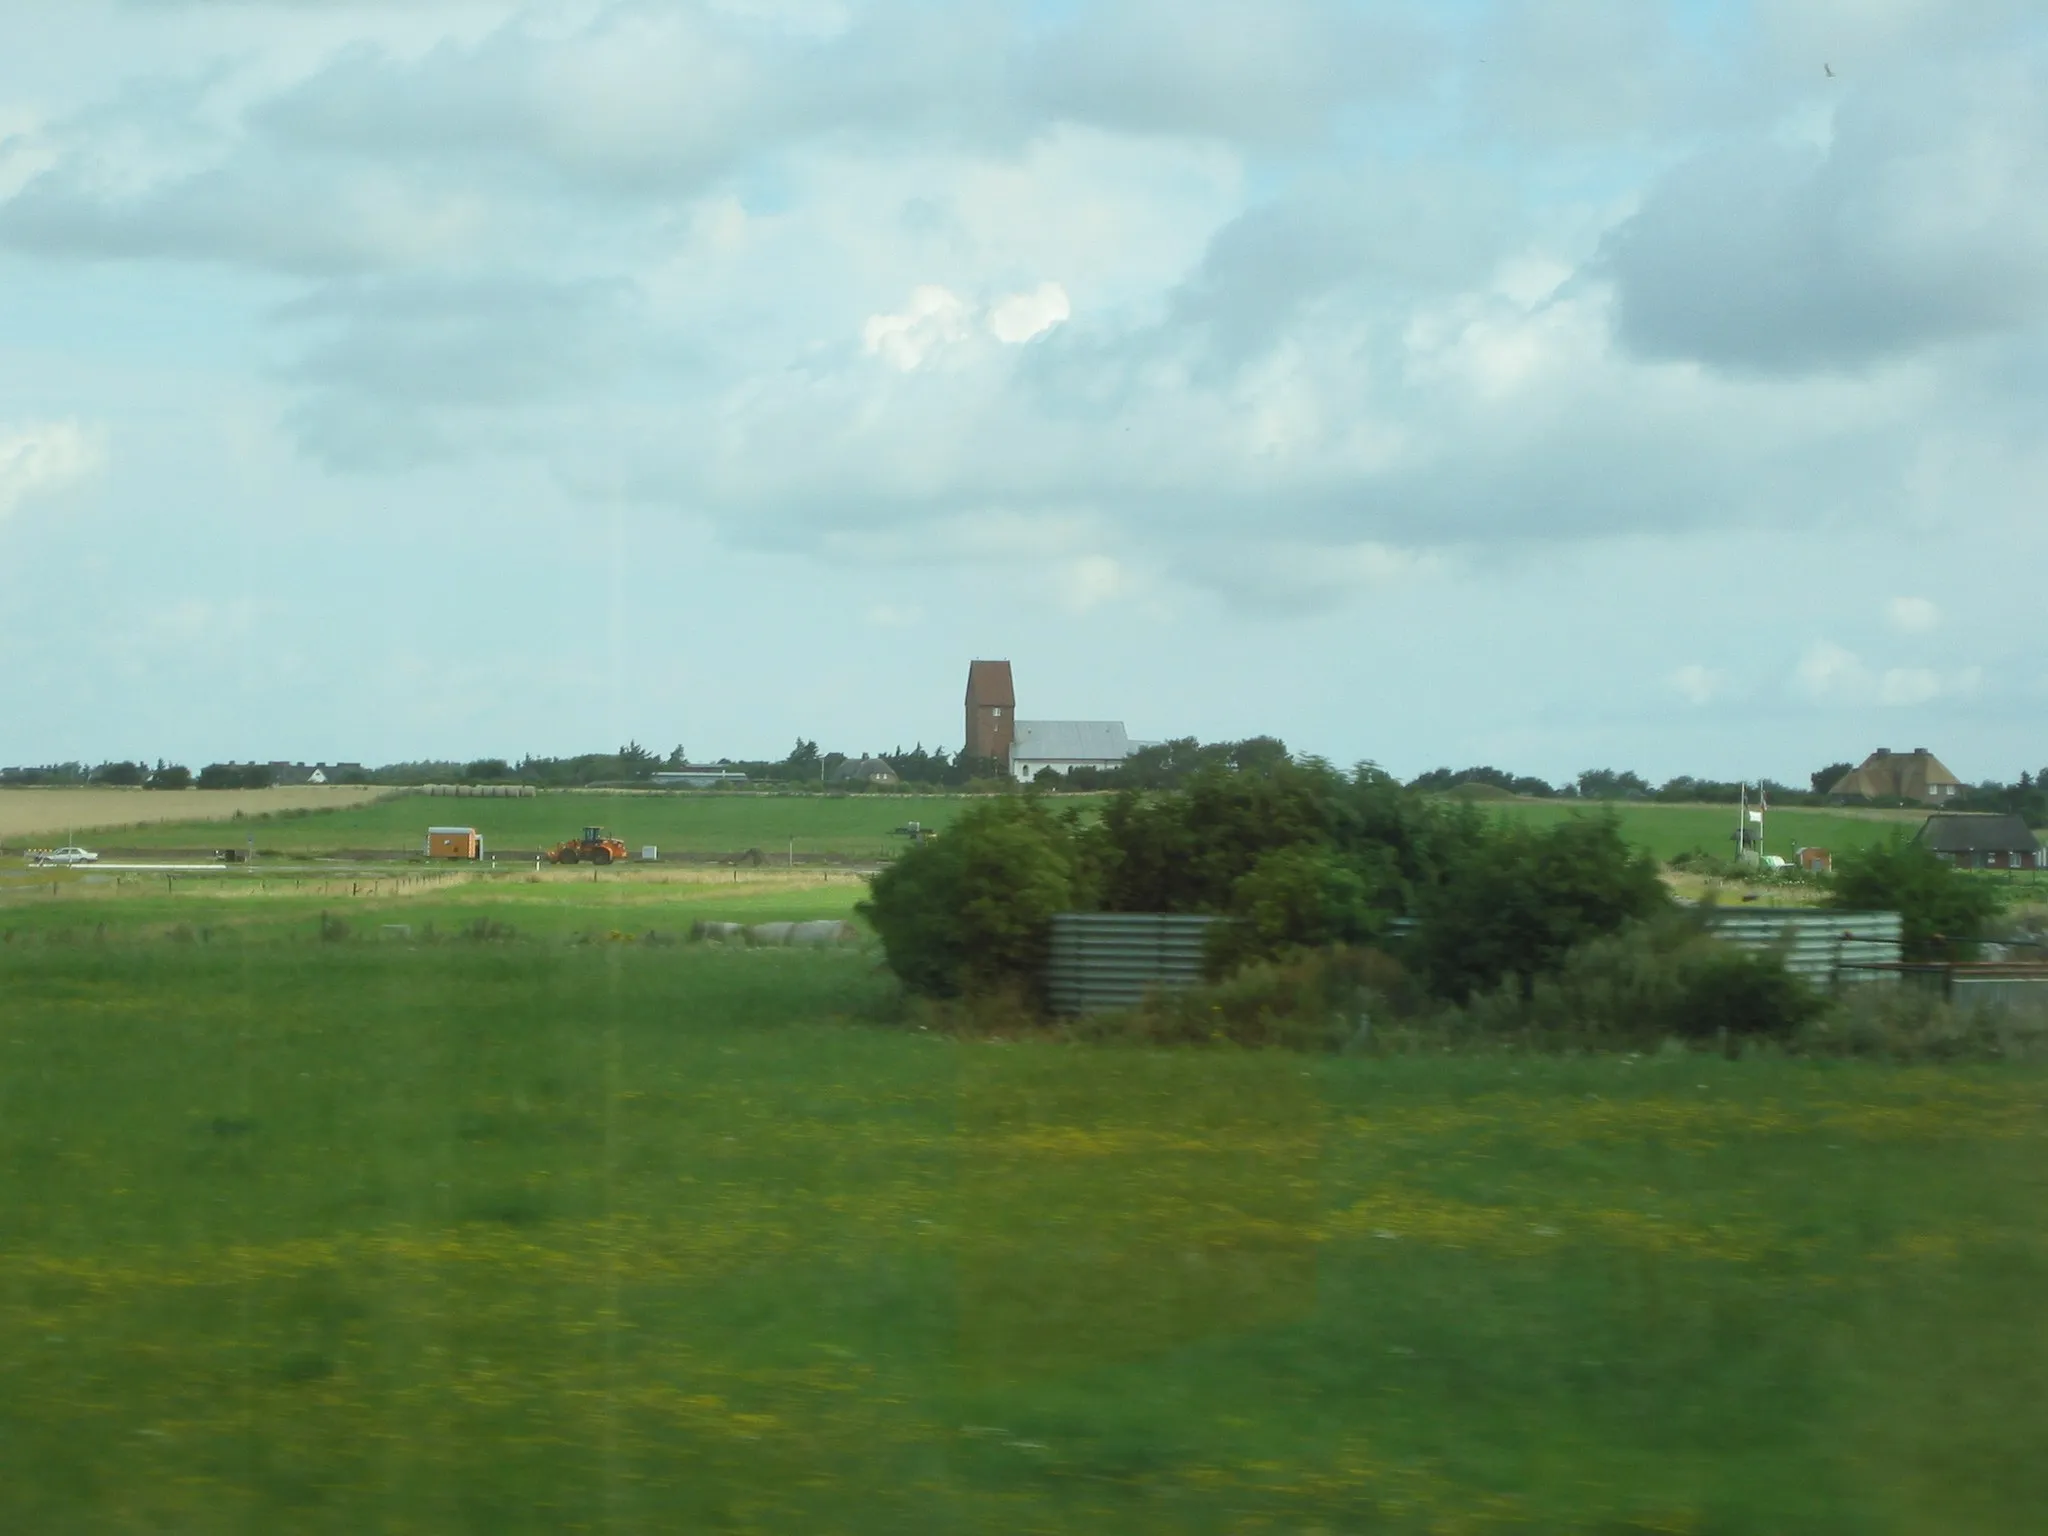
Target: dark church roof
[(1963, 833)]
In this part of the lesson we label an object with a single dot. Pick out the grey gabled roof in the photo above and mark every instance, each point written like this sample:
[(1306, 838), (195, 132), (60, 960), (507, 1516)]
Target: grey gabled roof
[(1964, 833), (872, 769), (1072, 741)]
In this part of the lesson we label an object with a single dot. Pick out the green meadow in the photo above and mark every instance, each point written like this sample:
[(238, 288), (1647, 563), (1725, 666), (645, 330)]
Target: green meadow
[(864, 826), (857, 826), (571, 1227), (1665, 831)]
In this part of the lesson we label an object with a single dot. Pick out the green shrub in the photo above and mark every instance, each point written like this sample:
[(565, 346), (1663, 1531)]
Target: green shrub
[(1721, 988), (1513, 905), (1323, 1000), (972, 911), (1194, 849), (1302, 897), (1909, 1023), (1943, 912), (1653, 982)]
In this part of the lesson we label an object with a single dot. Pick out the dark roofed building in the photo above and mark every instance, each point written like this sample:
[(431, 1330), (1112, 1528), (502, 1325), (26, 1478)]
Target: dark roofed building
[(1981, 842), (1888, 775)]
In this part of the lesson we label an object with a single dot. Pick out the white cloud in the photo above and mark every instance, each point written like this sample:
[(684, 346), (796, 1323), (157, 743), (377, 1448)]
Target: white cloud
[(933, 320), (1091, 581), (42, 458), (1912, 615), (1828, 670), (1021, 316), (1909, 685), (1698, 684)]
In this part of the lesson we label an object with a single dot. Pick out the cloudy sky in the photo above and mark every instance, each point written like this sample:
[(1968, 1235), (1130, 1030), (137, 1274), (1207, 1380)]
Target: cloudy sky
[(1551, 383)]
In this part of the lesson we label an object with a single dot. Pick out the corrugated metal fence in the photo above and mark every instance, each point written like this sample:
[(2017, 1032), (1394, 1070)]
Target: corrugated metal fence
[(1105, 960), (1998, 987), (1823, 947)]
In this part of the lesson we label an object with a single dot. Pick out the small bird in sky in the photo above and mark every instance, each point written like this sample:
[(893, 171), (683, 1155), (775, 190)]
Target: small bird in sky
[(1830, 69)]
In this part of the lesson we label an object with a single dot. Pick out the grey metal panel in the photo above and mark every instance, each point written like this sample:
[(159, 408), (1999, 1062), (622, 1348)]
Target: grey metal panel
[(1824, 947), (2028, 992), (1104, 960)]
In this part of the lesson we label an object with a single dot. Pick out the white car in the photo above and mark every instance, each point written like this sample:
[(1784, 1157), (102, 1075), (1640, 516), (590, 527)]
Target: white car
[(63, 856)]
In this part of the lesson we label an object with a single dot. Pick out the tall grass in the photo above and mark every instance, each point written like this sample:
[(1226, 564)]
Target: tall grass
[(532, 1236)]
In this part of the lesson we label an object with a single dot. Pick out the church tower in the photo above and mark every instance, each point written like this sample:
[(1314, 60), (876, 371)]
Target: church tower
[(991, 711)]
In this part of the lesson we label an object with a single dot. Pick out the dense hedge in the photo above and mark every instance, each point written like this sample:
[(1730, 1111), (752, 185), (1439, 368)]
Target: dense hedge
[(1300, 855)]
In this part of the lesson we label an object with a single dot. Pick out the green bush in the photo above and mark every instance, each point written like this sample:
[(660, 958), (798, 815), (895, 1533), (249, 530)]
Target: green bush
[(1303, 897), (971, 911), (1654, 981), (1311, 1001), (1943, 912), (1193, 849), (1909, 1023), (1722, 988), (1514, 904)]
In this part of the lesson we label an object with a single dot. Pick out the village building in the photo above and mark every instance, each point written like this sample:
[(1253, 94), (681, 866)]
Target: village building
[(863, 770), (1888, 775), (316, 773), (1064, 745), (1981, 841), (1027, 748)]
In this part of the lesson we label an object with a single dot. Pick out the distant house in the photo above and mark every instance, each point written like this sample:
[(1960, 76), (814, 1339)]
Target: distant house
[(1981, 842), (1064, 745), (1888, 775), (863, 770), (315, 773)]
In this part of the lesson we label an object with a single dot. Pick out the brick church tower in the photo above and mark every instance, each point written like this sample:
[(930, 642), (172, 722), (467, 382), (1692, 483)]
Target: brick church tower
[(991, 711)]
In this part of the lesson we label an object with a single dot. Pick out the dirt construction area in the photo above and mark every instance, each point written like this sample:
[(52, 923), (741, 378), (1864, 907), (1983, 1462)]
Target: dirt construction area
[(36, 815)]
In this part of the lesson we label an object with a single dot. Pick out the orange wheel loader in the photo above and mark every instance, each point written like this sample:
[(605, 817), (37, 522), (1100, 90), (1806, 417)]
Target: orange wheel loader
[(593, 847)]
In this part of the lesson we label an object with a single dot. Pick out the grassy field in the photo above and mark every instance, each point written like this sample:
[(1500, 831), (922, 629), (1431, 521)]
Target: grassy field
[(1668, 830), (543, 1235), (41, 815), (558, 904), (860, 826), (852, 826)]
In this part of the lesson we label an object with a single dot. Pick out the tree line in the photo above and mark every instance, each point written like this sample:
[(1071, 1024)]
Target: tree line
[(2026, 795)]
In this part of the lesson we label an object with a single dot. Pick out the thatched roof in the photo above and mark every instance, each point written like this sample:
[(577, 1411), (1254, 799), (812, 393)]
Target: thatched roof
[(1889, 775)]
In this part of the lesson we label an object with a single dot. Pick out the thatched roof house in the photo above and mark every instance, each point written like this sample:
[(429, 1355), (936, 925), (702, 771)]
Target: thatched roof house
[(1888, 775)]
